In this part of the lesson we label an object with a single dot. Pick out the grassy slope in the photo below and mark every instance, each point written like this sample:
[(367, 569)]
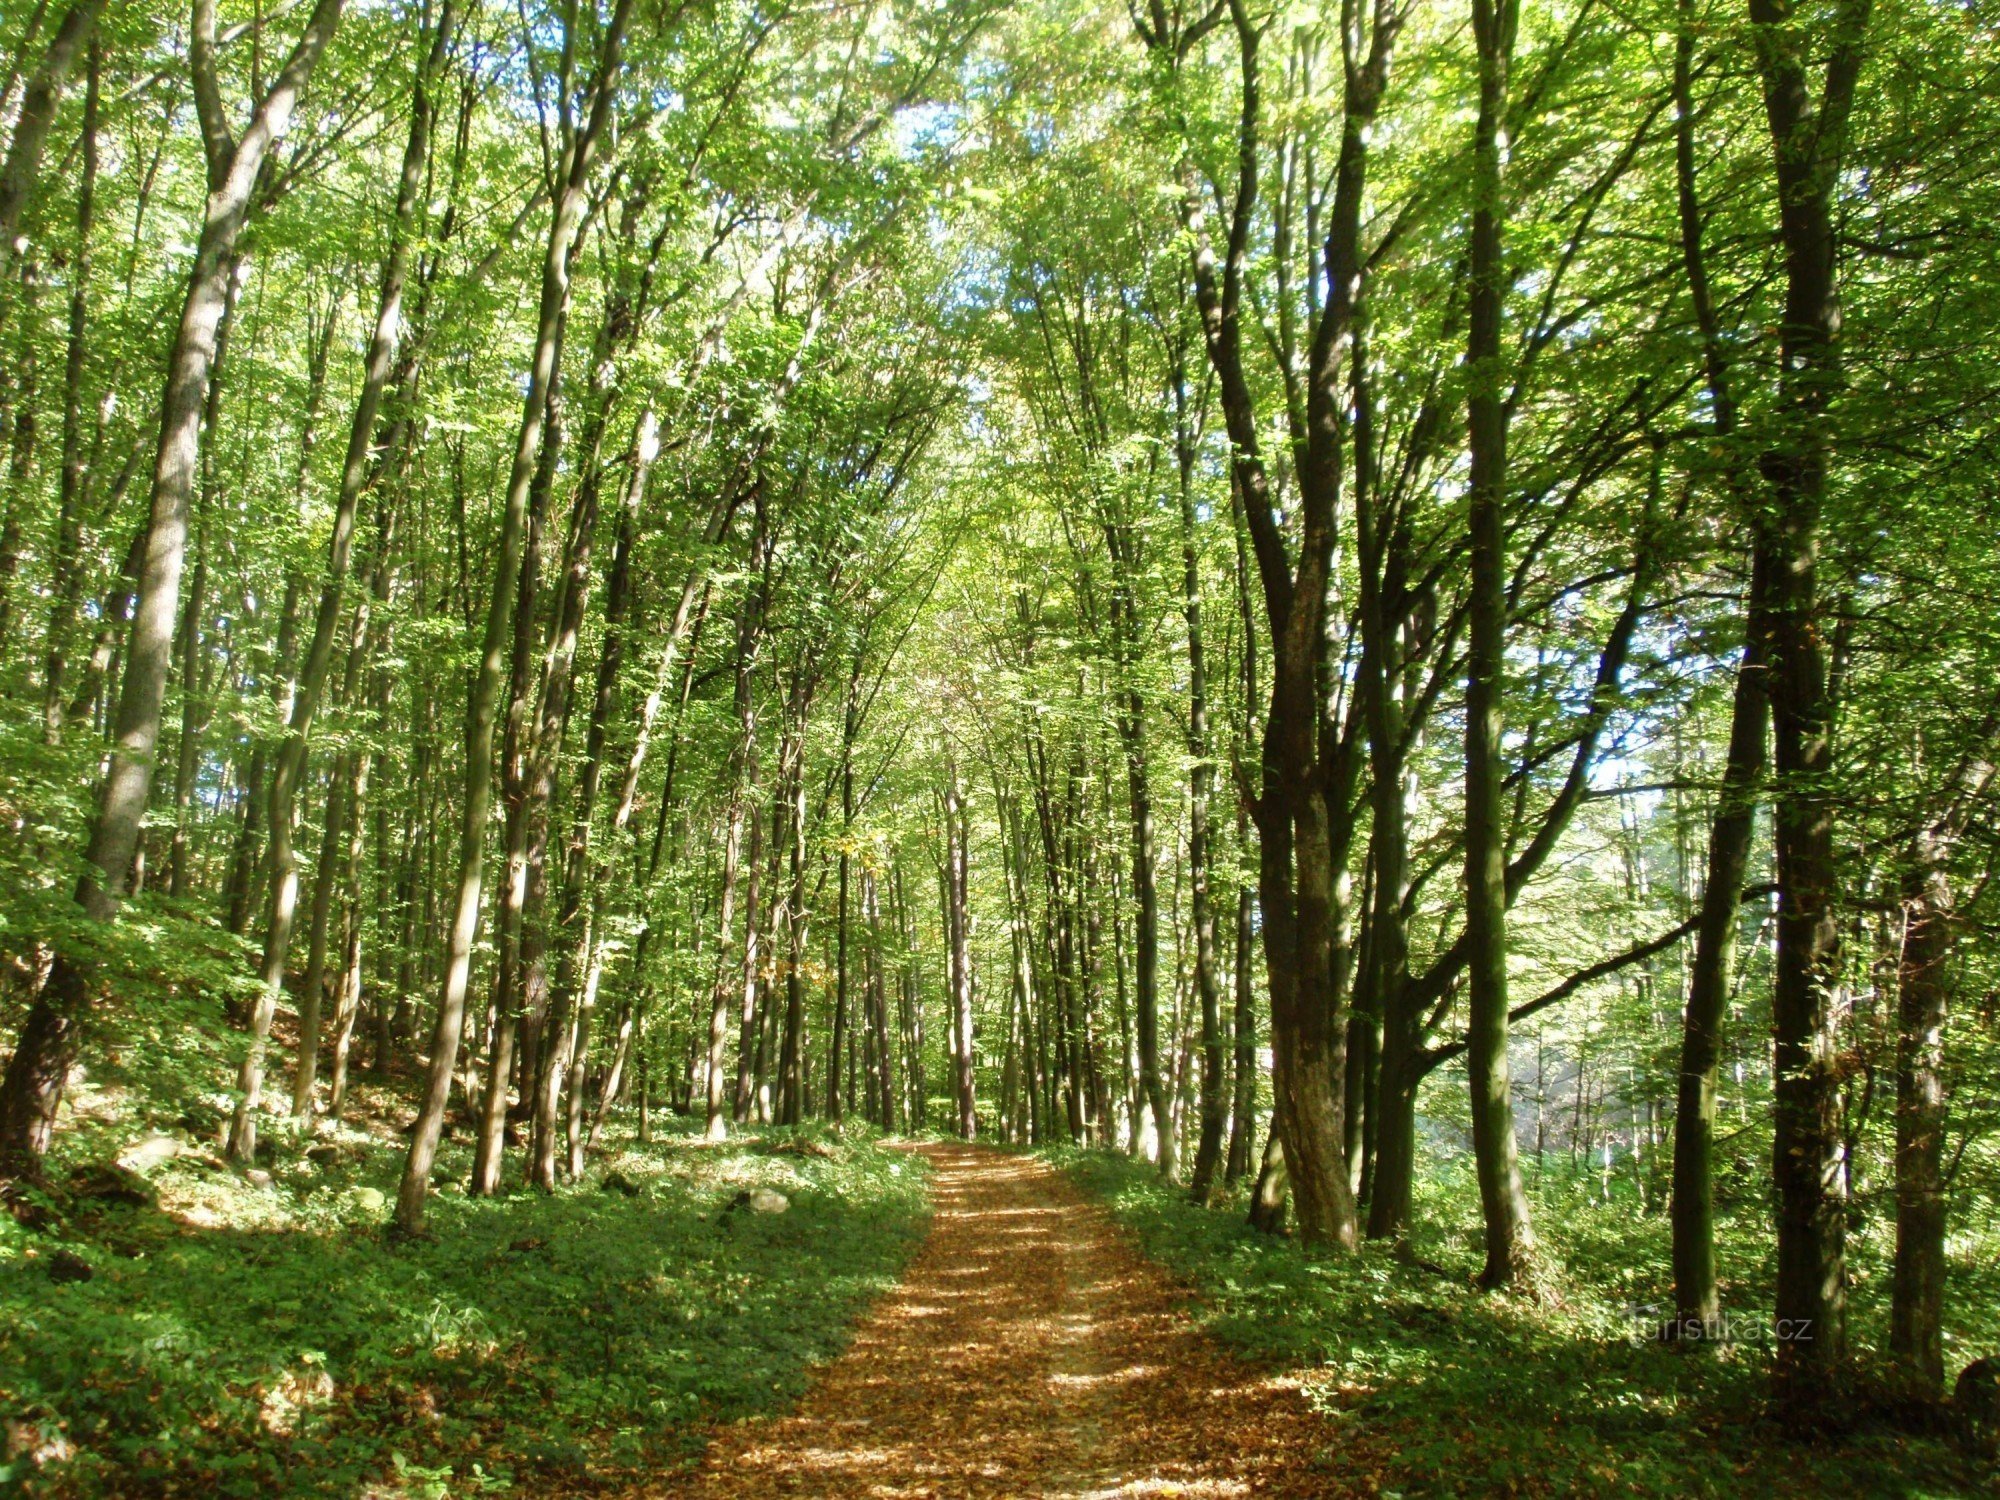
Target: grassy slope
[(253, 1339), (1483, 1395)]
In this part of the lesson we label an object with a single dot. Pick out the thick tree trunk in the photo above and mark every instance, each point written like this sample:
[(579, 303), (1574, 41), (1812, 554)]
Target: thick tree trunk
[(1808, 135), (1304, 813), (1269, 1194)]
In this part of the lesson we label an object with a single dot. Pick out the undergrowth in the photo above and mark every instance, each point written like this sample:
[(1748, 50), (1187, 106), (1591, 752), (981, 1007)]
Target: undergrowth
[(1480, 1395), (259, 1335)]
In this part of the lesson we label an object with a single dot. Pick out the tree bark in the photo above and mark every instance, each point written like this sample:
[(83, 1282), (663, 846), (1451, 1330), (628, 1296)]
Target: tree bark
[(1924, 982), (1510, 1241), (1807, 138), (65, 577), (39, 103)]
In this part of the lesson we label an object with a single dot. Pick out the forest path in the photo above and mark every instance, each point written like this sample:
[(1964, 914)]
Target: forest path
[(1028, 1351)]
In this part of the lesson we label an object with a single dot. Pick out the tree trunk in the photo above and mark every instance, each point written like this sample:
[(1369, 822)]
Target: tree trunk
[(1808, 137), (1697, 1302), (1201, 784), (65, 577), (1510, 1241), (727, 981), (1930, 915), (33, 1085), (39, 103), (482, 701), (1698, 1306), (958, 860), (1268, 1194)]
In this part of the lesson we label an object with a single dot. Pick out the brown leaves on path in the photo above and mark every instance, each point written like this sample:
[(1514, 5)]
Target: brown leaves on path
[(1030, 1352)]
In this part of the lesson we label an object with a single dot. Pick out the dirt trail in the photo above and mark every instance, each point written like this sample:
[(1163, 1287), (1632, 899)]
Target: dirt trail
[(1029, 1351)]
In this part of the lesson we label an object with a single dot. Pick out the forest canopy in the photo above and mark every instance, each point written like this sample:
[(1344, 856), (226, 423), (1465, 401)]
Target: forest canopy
[(1386, 606)]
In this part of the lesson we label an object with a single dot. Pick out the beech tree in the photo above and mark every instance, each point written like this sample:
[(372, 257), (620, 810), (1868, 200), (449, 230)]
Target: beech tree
[(1384, 609)]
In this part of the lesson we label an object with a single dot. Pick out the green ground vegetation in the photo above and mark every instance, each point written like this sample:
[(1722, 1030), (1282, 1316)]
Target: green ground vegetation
[(255, 1334), (1479, 1394)]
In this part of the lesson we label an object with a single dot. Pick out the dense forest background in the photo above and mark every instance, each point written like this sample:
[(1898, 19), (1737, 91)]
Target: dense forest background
[(1385, 606)]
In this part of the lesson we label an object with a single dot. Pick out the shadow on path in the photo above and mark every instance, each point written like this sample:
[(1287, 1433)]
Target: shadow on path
[(1029, 1351)]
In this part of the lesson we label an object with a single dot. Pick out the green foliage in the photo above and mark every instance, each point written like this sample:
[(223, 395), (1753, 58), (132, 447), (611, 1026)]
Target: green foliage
[(267, 1340), (1479, 1394)]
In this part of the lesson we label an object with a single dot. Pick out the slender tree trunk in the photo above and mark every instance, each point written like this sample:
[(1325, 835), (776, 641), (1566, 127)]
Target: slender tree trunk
[(959, 938), (65, 577), (1696, 1297), (482, 700), (1510, 1241), (348, 1006), (1201, 784), (1243, 1104), (1924, 979), (756, 930), (1698, 1306), (326, 875), (520, 1006), (377, 366), (32, 1089), (1916, 1327), (39, 103), (791, 1080), (850, 713), (878, 999), (748, 628)]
